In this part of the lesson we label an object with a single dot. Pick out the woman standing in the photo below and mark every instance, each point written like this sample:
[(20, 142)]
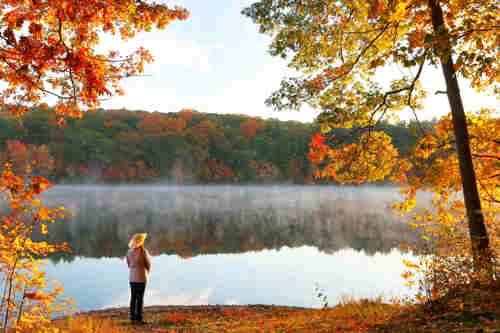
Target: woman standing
[(139, 263)]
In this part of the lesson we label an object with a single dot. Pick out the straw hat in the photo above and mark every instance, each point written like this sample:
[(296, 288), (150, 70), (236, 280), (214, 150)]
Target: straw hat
[(137, 240)]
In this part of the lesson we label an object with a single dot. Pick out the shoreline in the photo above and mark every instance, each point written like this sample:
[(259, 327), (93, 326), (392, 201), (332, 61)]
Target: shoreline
[(468, 311), (152, 309)]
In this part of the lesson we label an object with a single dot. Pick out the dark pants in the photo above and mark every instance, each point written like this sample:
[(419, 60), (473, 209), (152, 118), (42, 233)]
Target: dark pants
[(136, 300)]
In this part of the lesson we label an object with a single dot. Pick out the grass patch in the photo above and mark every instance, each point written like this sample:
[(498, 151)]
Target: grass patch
[(474, 312)]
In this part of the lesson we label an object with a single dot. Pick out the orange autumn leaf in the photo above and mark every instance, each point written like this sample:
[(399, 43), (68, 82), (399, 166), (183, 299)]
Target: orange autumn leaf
[(39, 184), (50, 48), (377, 8), (43, 39), (43, 214), (372, 158), (36, 296)]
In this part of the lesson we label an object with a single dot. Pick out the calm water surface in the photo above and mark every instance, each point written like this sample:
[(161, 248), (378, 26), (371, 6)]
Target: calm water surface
[(231, 244)]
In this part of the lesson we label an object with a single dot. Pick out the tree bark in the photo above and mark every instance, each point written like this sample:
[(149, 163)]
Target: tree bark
[(481, 251)]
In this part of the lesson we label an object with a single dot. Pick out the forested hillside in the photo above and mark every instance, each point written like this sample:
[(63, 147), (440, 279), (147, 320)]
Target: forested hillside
[(182, 147)]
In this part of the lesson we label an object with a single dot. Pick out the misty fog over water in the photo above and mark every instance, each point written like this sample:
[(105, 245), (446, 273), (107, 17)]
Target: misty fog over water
[(231, 244)]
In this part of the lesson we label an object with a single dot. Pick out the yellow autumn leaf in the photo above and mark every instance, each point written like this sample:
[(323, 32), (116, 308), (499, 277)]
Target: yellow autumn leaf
[(43, 214), (410, 264)]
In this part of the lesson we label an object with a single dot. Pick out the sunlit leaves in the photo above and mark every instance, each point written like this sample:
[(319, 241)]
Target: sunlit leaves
[(26, 305), (435, 168), (431, 168), (371, 158), (48, 48), (342, 50)]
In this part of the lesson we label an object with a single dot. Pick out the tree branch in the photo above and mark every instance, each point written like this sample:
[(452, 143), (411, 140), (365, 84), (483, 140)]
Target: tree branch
[(486, 156)]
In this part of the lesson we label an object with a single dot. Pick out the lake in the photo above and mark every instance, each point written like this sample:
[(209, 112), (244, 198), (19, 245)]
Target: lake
[(231, 244)]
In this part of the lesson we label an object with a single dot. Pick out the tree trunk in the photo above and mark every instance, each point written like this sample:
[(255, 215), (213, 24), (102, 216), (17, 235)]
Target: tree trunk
[(479, 236)]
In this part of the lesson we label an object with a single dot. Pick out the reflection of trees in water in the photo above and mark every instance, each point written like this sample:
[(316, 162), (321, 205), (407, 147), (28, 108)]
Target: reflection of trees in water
[(195, 220)]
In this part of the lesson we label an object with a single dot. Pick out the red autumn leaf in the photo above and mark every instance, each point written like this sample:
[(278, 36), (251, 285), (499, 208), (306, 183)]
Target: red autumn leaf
[(317, 141)]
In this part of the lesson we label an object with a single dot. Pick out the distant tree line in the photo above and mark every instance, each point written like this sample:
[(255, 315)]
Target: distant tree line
[(183, 147), (249, 218)]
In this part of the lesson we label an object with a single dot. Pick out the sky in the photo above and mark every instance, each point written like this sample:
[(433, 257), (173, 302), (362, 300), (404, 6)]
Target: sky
[(218, 62)]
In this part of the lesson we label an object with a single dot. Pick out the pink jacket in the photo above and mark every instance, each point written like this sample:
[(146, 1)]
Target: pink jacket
[(139, 263)]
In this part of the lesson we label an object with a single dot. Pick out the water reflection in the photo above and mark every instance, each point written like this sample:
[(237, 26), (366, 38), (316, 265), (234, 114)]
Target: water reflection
[(189, 221), (283, 277), (231, 244)]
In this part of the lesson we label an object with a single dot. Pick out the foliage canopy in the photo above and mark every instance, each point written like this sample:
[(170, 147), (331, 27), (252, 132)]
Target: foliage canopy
[(343, 50), (49, 47)]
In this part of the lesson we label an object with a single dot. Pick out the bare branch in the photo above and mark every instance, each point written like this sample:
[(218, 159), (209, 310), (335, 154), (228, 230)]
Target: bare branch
[(469, 32), (362, 52), (490, 196), (486, 156), (412, 88), (494, 176)]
